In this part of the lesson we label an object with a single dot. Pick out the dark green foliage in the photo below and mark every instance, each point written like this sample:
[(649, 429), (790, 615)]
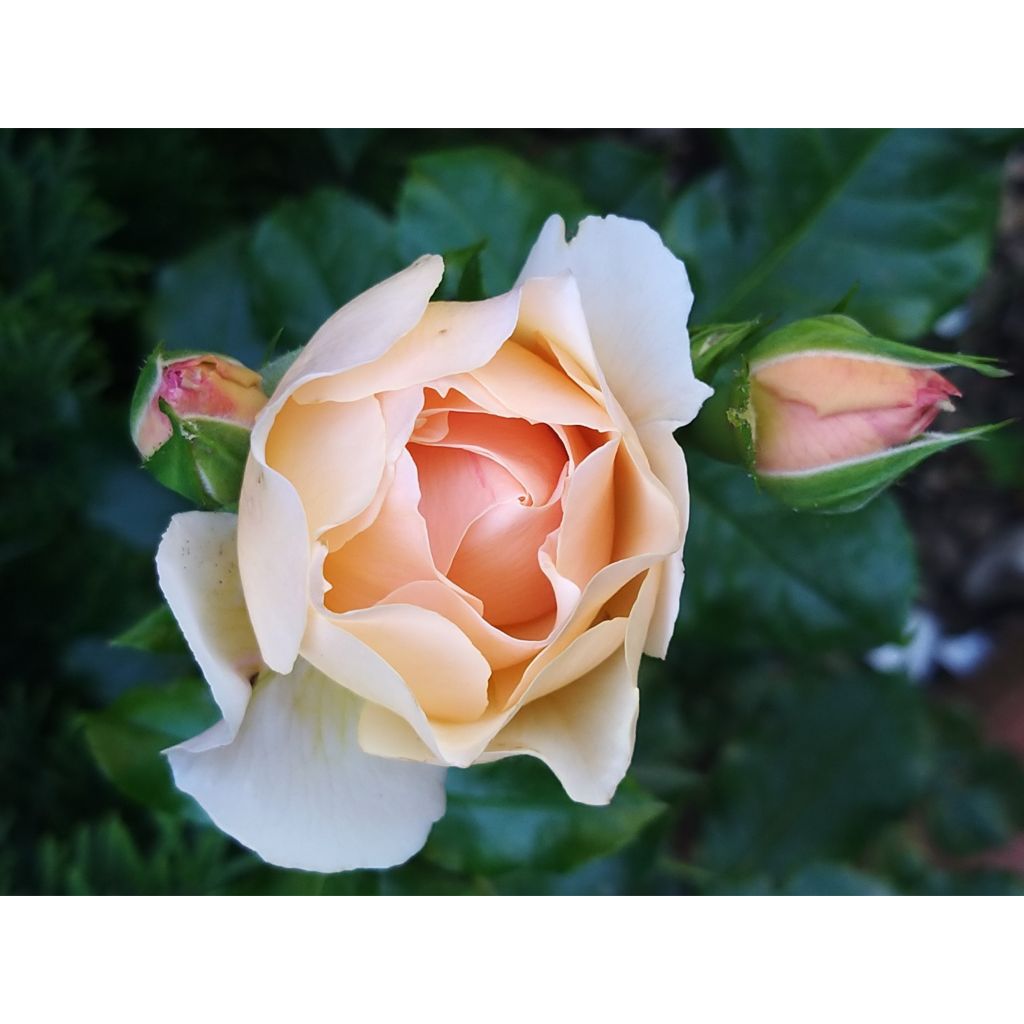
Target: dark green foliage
[(768, 759), (795, 218), (128, 737), (798, 583), (514, 815), (464, 197), (829, 759), (157, 632)]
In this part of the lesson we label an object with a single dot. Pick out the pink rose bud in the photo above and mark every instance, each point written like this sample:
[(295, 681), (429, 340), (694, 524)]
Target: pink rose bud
[(814, 409), (209, 387), (191, 417), (823, 414)]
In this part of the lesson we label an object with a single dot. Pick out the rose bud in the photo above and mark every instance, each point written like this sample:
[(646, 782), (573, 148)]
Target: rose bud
[(818, 410), (826, 416), (191, 418)]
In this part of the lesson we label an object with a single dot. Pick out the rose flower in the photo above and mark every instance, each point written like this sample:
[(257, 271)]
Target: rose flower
[(461, 523)]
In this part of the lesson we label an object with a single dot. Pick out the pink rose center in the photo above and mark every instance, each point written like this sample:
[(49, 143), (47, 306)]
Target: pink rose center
[(476, 500)]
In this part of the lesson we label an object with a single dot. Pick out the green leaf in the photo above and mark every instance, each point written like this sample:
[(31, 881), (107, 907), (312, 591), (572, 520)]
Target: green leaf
[(461, 198), (616, 177), (156, 632), (127, 738), (285, 277), (761, 575), (1003, 456), (826, 763), (311, 255), (514, 814), (798, 216), (463, 275)]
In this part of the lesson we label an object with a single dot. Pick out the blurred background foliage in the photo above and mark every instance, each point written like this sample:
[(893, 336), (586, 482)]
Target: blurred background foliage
[(771, 758)]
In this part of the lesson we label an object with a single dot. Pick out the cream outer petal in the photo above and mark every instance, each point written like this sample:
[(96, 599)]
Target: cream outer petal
[(636, 299), (295, 786), (197, 566), (448, 338), (273, 543)]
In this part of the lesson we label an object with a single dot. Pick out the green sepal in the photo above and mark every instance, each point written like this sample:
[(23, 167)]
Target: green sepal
[(850, 485), (203, 460), (835, 333), (145, 388), (273, 371), (724, 428), (712, 345)]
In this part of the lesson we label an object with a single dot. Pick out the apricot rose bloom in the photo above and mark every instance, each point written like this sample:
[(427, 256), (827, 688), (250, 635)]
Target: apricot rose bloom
[(461, 524)]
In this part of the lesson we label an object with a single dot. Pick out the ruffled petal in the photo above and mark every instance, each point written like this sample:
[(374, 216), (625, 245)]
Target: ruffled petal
[(273, 539), (333, 454), (410, 660), (295, 786), (636, 299), (363, 330), (585, 730), (391, 551), (450, 338)]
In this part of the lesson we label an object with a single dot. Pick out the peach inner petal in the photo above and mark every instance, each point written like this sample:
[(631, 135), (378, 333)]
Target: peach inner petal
[(337, 476), (498, 561), (456, 487), (524, 381), (391, 552), (531, 452)]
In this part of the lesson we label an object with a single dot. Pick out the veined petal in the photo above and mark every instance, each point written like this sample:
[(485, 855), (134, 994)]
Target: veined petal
[(636, 298), (295, 786), (197, 566)]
